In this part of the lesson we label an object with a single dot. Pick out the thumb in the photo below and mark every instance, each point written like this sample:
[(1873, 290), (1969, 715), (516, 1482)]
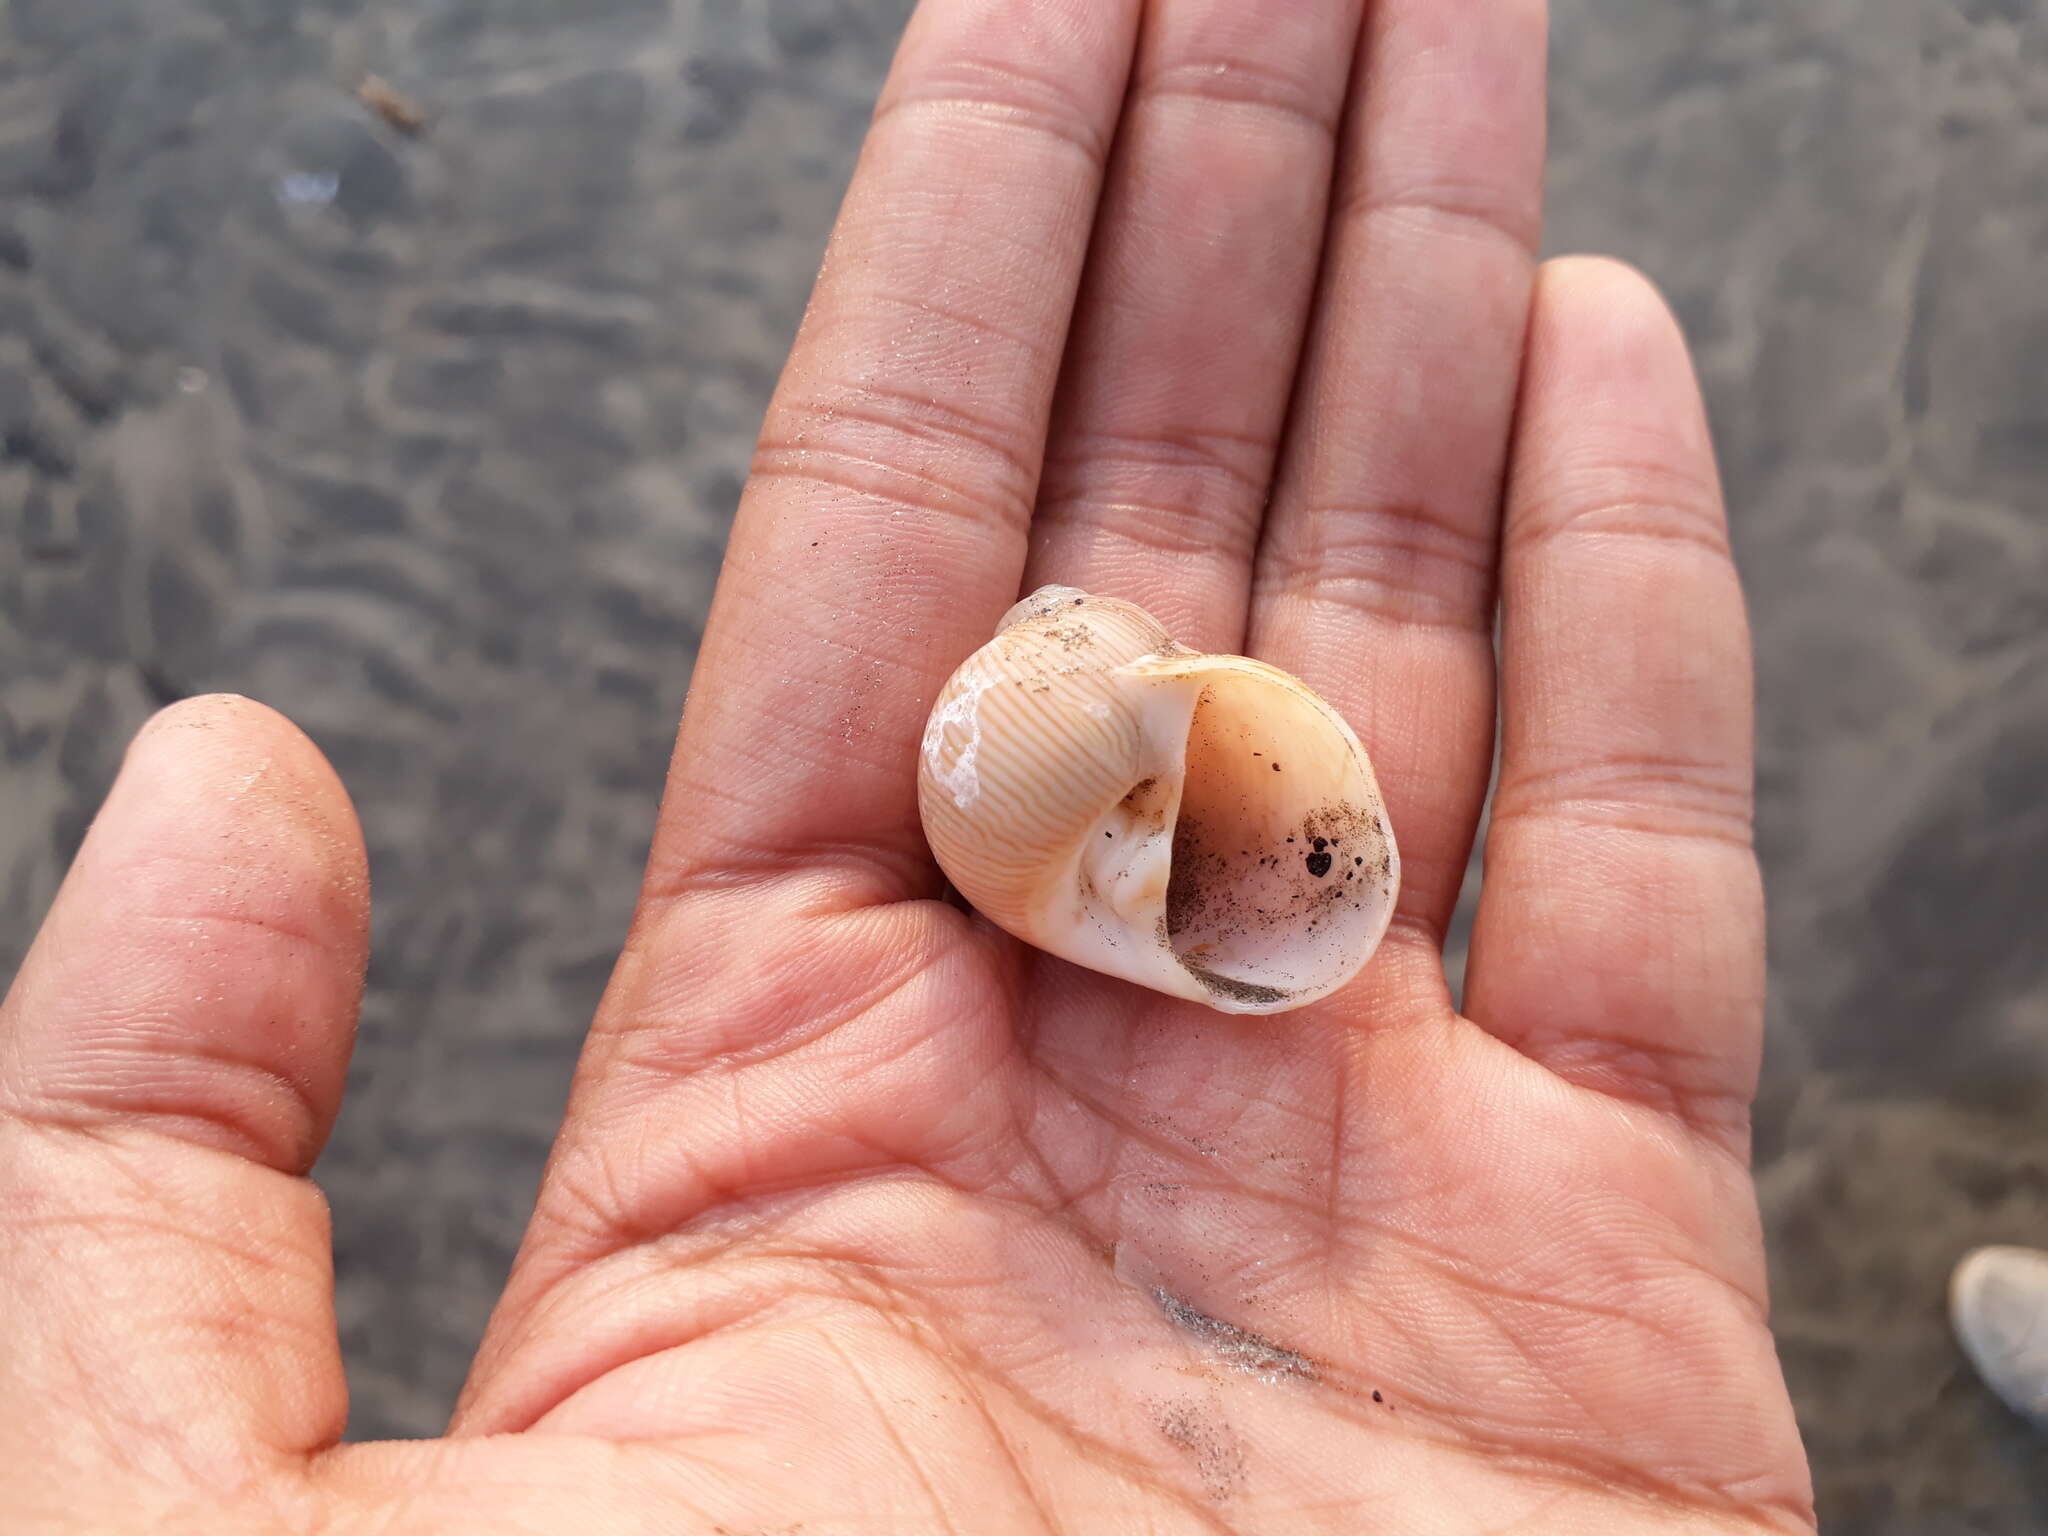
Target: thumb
[(171, 1057)]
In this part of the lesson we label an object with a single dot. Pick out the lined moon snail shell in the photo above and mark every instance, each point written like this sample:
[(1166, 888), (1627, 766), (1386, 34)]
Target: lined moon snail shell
[(1205, 826)]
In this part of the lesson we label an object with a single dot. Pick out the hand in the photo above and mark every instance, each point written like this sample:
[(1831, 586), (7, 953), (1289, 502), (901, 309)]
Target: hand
[(863, 1218)]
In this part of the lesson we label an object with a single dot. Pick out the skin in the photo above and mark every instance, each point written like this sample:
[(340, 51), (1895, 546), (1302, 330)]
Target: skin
[(864, 1219)]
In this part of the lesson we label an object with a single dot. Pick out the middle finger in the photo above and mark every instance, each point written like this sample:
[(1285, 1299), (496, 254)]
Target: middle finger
[(1191, 316)]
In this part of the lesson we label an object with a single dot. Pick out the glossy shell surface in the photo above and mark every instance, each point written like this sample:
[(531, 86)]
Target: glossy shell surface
[(1205, 826)]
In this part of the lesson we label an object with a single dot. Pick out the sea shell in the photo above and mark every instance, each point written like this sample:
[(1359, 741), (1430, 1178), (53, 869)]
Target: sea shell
[(1205, 826)]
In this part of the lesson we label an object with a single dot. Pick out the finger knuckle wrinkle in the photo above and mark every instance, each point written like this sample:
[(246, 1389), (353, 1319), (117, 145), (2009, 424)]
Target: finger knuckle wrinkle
[(1175, 494), (1001, 93), (1474, 210), (1239, 461), (1175, 530), (1235, 82), (1691, 1086), (919, 453), (1663, 797), (244, 1108), (1642, 500), (1404, 563)]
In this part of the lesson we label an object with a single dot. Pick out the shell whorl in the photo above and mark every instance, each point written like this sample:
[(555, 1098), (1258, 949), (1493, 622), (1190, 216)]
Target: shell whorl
[(1116, 799)]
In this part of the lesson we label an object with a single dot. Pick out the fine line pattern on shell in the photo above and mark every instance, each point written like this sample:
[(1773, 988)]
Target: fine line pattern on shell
[(1202, 825)]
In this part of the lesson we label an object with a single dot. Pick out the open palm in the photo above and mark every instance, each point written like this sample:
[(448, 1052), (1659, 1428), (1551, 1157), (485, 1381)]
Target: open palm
[(863, 1217)]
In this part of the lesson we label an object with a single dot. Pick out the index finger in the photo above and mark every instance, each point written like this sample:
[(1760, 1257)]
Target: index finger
[(883, 531)]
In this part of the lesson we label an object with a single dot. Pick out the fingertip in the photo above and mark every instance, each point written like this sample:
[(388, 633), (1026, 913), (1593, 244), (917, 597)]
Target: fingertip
[(1601, 320), (201, 967), (214, 729), (254, 780), (1590, 283), (212, 711), (1610, 377)]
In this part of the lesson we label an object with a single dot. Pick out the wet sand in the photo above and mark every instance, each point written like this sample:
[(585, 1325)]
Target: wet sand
[(435, 436)]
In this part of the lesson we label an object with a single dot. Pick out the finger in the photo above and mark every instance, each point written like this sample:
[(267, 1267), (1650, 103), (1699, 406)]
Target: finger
[(1619, 934), (171, 1056), (1192, 311), (1375, 580), (883, 531)]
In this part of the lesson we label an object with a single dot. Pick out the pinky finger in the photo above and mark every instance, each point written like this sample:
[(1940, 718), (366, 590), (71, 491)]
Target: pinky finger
[(1620, 930)]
